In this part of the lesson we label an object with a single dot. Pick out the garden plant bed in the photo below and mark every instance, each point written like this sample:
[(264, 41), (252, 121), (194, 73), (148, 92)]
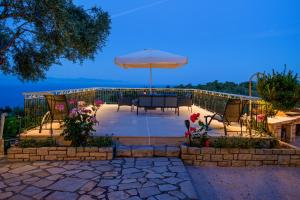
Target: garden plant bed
[(239, 157), (59, 153)]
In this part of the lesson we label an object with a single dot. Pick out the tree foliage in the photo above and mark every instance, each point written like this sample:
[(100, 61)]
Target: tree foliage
[(281, 89), (228, 87), (34, 34)]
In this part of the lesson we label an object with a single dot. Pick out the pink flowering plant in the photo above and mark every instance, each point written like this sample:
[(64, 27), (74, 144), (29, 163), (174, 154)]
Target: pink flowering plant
[(98, 103), (60, 107), (79, 126)]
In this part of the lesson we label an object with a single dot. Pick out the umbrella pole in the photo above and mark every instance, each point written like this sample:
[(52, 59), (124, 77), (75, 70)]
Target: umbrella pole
[(150, 78)]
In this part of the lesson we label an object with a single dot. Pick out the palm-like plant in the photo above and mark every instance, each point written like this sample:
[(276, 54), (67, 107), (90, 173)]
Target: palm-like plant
[(281, 89)]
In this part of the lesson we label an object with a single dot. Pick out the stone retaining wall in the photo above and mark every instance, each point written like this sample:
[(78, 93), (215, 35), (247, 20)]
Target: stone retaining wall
[(208, 156), (148, 151), (59, 153)]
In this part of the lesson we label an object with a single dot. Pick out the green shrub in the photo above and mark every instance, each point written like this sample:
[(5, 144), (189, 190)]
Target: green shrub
[(11, 127), (26, 143), (102, 141), (200, 141), (241, 142), (282, 90)]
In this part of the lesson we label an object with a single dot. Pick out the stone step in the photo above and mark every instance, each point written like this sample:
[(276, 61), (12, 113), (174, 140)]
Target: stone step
[(147, 151)]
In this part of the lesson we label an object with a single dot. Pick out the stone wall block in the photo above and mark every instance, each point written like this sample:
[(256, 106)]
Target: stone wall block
[(206, 157), (105, 149), (109, 156), (224, 150), (276, 151), (253, 163), (22, 155), (71, 151), (184, 148), (51, 157), (269, 162), (124, 151), (91, 149), (295, 162), (194, 150), (238, 163), (79, 149), (160, 150), (224, 164), (29, 150), (208, 164), (208, 150), (188, 157), (199, 157), (295, 156), (288, 151), (61, 148), (216, 157), (34, 158), (98, 154), (283, 159), (234, 150), (227, 157), (82, 154), (42, 151), (100, 158), (15, 150), (57, 152), (173, 151), (244, 151), (244, 156)]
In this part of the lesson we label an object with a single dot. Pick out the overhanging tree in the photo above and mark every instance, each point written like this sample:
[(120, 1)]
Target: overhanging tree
[(35, 34)]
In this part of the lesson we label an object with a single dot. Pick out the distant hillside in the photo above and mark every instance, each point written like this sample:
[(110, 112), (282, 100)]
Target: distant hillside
[(228, 87)]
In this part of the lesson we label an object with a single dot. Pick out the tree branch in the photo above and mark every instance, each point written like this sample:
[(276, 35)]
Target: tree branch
[(11, 15), (11, 42)]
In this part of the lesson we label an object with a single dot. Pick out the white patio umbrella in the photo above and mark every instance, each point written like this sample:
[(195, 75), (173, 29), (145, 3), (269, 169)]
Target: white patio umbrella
[(149, 58)]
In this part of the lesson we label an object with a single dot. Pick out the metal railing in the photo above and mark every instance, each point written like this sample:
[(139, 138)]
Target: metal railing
[(35, 105)]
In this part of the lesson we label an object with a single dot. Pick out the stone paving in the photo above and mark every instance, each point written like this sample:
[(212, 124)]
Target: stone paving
[(123, 178)]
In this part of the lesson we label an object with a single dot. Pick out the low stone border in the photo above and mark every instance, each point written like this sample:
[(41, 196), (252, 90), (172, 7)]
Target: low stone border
[(59, 153), (224, 157), (147, 151)]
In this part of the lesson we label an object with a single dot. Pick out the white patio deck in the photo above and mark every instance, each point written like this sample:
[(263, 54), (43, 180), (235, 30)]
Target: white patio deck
[(151, 127)]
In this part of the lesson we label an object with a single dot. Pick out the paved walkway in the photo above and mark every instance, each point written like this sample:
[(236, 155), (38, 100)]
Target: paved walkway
[(132, 179), (249, 183)]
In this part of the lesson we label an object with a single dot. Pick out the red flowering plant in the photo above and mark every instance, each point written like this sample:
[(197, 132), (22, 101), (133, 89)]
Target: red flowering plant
[(195, 129), (260, 123), (78, 126)]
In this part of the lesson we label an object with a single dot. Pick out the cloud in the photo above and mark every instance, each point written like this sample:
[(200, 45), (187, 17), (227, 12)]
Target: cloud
[(133, 10)]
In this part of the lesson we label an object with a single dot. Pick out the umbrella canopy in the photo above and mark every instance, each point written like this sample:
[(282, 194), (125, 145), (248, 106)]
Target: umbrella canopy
[(151, 59)]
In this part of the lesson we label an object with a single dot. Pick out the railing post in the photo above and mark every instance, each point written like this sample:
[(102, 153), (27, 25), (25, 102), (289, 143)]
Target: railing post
[(2, 120)]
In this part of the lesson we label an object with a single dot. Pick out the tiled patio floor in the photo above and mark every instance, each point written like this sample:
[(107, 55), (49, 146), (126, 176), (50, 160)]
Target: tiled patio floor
[(132, 179), (151, 127), (154, 123)]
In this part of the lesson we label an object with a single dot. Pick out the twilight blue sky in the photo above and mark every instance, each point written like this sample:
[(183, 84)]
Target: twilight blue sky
[(224, 40)]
